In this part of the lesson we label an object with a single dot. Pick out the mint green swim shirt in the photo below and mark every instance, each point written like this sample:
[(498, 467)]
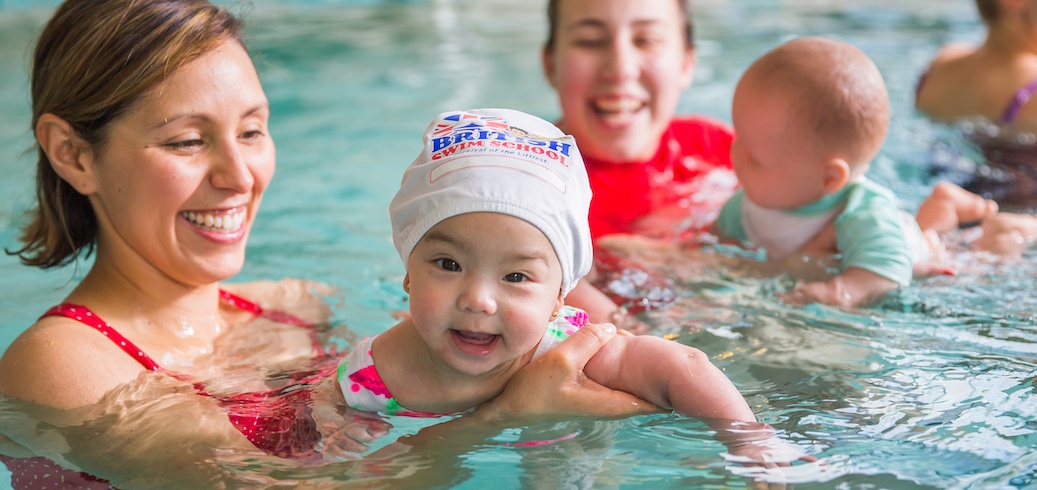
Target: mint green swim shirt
[(871, 231)]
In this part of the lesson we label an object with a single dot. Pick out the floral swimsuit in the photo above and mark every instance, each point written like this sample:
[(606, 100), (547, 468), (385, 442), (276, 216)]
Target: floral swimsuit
[(364, 389)]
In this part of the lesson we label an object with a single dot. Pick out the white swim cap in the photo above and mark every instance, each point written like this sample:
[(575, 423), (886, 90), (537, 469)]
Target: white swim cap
[(499, 161)]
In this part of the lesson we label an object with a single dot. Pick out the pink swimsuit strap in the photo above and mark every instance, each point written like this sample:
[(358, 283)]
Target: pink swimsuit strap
[(1022, 96), (83, 315)]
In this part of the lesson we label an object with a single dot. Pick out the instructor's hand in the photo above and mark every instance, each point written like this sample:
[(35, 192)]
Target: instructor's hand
[(555, 386)]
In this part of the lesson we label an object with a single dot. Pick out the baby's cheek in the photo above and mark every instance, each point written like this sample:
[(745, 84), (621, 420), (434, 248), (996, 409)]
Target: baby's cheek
[(427, 304)]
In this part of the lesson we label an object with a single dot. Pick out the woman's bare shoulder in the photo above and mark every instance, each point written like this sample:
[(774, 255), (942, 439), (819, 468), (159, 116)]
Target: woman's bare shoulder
[(61, 363), (953, 51), (957, 84), (946, 65)]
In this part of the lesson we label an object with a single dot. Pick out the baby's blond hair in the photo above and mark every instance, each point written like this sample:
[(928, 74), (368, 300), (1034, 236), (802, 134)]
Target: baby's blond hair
[(837, 93)]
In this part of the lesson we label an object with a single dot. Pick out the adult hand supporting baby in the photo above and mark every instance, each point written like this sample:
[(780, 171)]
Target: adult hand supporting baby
[(555, 385), (551, 386)]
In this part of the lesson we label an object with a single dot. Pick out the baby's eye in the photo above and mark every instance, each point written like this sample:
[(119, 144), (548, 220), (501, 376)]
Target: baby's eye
[(515, 277), (448, 265)]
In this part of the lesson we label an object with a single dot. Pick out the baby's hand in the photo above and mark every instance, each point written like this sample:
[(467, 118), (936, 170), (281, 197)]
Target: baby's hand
[(768, 464), (770, 452), (853, 288), (818, 292), (345, 432), (755, 443), (757, 452)]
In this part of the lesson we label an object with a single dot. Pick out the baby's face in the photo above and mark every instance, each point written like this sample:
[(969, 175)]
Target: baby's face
[(778, 164), (483, 287)]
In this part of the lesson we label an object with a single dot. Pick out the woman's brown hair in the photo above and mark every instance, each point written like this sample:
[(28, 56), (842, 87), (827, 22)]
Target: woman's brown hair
[(989, 10), (93, 61), (552, 23)]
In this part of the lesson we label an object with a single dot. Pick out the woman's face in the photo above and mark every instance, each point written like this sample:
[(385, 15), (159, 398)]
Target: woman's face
[(178, 180), (619, 67)]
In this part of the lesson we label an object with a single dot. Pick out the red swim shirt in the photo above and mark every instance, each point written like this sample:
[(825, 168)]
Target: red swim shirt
[(692, 147)]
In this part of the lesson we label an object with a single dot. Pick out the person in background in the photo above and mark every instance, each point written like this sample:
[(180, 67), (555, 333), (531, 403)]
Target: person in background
[(810, 116), (619, 68), (992, 85), (154, 152)]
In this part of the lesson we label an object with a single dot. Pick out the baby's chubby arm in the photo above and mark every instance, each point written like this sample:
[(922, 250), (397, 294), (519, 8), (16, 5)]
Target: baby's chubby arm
[(853, 288), (670, 375), (674, 375)]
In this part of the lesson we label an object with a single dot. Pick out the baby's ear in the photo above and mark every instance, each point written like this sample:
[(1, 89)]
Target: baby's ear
[(836, 175)]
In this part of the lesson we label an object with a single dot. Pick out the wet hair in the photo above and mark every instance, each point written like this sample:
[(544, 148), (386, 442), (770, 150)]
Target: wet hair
[(989, 10), (552, 23), (94, 60), (837, 93)]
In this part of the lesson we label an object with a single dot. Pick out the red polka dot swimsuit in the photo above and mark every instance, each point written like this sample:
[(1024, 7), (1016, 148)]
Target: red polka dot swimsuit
[(277, 421)]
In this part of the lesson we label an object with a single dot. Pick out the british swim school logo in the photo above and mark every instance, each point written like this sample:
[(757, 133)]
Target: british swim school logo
[(464, 132), (464, 140)]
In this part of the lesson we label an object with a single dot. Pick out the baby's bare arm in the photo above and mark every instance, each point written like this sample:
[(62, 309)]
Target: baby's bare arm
[(854, 287), (673, 375), (668, 374)]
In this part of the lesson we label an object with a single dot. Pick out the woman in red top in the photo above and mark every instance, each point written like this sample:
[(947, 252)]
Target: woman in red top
[(620, 67), (154, 154)]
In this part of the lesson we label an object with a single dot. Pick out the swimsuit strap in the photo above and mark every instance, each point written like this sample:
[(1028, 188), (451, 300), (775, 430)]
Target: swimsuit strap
[(83, 314), (1022, 96), (254, 308), (276, 421), (273, 315)]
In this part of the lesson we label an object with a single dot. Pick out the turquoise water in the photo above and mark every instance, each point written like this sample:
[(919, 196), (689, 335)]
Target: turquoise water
[(933, 388)]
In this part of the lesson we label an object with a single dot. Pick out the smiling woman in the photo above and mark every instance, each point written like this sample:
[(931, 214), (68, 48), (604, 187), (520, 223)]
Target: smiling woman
[(208, 157), (109, 145), (620, 68), (155, 156)]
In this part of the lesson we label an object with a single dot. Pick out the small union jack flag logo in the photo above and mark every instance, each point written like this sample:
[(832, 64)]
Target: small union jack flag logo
[(464, 120)]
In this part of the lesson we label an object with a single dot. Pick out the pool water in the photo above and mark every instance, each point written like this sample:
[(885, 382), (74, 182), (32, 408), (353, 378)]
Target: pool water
[(932, 388)]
